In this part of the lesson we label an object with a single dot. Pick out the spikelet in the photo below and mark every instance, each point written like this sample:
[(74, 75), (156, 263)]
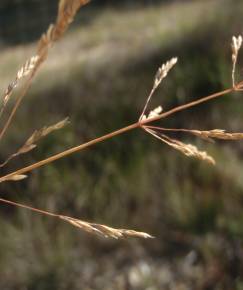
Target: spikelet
[(24, 71), (160, 75), (191, 151), (104, 230), (98, 229), (187, 149), (153, 113), (16, 177), (235, 45), (217, 134), (38, 134), (163, 71), (30, 144), (212, 134), (66, 12)]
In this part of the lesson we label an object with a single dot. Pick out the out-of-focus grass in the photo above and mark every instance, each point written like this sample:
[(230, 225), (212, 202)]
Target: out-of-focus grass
[(99, 75)]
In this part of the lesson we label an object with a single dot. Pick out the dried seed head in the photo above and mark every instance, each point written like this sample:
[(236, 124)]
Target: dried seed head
[(66, 12), (190, 150), (160, 75), (187, 149), (215, 134), (30, 144), (163, 71), (153, 113), (38, 134), (16, 177), (236, 45), (27, 67), (24, 71), (104, 230)]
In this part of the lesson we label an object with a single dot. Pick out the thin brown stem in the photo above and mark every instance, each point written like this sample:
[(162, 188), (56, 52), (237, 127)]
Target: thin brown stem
[(147, 102), (28, 207), (188, 105), (70, 151), (113, 134)]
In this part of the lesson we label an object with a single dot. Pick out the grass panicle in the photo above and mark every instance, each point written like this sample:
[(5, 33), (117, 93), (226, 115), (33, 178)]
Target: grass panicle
[(30, 144), (66, 13), (24, 71), (160, 75)]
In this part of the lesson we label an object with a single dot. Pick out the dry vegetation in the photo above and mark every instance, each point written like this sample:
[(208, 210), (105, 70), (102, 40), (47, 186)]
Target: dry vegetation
[(66, 13)]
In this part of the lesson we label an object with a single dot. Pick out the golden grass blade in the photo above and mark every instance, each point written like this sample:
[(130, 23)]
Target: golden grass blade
[(187, 149), (160, 75), (30, 144)]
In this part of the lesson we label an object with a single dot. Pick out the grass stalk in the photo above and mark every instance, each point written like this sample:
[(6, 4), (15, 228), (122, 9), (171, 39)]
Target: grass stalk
[(113, 134)]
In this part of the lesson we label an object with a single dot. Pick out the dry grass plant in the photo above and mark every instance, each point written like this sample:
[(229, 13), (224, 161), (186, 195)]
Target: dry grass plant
[(66, 12)]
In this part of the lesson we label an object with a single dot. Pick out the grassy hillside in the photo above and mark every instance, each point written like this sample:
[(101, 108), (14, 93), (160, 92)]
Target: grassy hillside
[(99, 75)]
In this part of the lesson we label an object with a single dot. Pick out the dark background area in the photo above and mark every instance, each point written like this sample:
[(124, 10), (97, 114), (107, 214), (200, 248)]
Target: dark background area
[(99, 75), (23, 21)]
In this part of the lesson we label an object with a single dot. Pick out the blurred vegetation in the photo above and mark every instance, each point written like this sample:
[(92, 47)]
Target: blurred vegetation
[(33, 16), (100, 75)]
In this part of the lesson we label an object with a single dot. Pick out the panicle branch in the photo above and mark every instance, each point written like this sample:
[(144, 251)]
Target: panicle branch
[(92, 228)]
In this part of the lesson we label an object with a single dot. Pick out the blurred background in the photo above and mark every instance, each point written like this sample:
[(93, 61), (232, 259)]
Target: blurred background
[(99, 75)]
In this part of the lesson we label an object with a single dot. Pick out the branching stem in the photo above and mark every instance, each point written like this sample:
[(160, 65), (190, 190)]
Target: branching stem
[(115, 133)]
